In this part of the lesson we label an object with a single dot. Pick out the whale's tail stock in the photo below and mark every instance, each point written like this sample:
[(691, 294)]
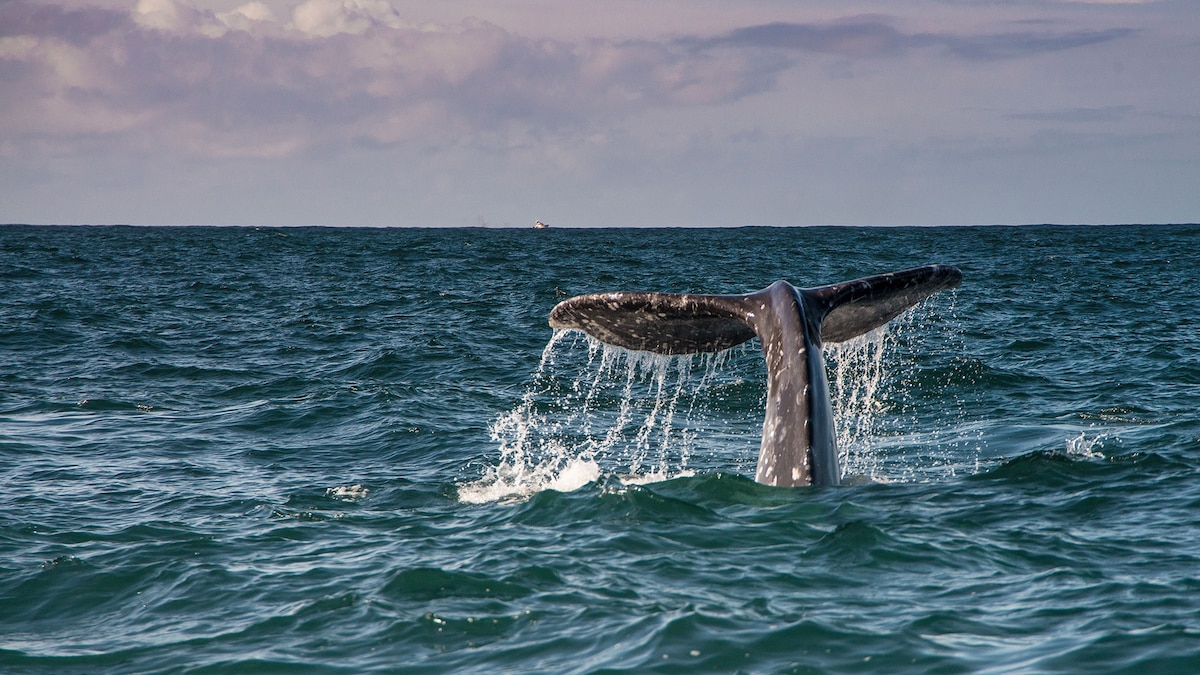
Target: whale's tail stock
[(792, 324)]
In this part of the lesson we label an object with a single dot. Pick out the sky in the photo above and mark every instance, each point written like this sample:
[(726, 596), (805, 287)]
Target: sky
[(623, 113)]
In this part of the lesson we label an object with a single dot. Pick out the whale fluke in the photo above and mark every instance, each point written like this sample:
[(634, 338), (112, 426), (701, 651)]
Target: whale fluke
[(798, 446)]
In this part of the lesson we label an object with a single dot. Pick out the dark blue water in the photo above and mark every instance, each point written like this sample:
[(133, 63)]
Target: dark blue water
[(328, 450)]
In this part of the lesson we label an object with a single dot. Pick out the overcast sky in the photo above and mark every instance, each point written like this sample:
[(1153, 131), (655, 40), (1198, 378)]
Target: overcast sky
[(599, 113)]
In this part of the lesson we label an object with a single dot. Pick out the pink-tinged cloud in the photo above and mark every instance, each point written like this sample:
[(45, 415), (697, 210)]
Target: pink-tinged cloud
[(248, 83)]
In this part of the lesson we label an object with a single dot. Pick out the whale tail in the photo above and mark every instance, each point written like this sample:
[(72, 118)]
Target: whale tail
[(668, 323), (798, 442)]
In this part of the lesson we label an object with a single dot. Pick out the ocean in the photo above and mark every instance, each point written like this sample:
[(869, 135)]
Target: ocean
[(324, 450)]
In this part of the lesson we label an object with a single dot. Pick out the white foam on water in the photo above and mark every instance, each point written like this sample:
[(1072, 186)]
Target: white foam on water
[(512, 482), (654, 477), (348, 493), (1084, 447)]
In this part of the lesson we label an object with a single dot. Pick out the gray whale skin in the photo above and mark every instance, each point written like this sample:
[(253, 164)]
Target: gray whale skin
[(798, 439)]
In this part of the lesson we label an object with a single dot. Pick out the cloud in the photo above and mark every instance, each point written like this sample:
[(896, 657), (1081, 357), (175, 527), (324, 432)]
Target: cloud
[(339, 71), (855, 37), (875, 36), (1020, 44), (323, 18), (1072, 115), (248, 83)]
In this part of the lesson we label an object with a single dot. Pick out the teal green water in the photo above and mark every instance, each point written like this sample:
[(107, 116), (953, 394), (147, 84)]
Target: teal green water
[(337, 450)]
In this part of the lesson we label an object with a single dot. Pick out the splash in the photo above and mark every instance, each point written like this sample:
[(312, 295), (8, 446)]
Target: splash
[(348, 493), (898, 400), (855, 370), (631, 415), (592, 410), (1083, 447)]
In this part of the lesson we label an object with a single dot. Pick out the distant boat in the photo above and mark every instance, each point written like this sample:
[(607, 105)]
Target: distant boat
[(539, 225)]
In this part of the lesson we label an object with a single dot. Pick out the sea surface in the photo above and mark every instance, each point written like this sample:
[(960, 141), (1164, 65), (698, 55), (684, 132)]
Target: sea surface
[(322, 450)]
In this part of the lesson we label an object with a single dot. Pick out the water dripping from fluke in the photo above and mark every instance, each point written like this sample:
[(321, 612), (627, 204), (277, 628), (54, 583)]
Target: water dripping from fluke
[(597, 413), (592, 410)]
